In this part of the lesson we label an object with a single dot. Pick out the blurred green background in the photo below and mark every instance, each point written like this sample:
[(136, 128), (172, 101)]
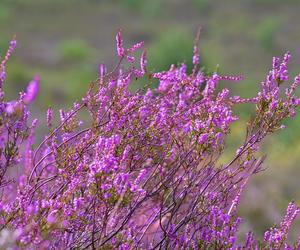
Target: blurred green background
[(65, 40)]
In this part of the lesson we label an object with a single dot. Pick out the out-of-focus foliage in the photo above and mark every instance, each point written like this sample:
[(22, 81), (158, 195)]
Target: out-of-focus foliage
[(202, 5), (266, 33), (74, 50), (172, 47), (149, 9)]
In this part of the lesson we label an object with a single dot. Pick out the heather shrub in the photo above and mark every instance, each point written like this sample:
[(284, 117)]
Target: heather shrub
[(142, 172)]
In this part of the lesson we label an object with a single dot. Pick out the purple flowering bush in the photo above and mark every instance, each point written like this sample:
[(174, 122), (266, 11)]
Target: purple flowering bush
[(143, 171)]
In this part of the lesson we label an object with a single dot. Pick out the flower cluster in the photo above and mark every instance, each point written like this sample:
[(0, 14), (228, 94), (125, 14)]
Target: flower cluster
[(142, 172)]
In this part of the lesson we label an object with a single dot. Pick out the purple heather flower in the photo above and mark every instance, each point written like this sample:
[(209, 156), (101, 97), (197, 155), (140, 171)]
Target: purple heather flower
[(11, 107), (102, 70), (135, 47), (49, 117), (32, 90), (130, 59), (11, 48), (196, 55), (51, 218), (2, 77)]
